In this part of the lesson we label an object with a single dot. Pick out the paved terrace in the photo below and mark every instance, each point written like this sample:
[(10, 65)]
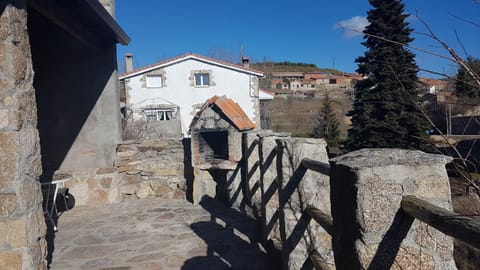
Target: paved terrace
[(157, 234)]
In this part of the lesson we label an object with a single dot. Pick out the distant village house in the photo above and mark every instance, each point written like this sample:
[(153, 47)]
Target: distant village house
[(174, 90)]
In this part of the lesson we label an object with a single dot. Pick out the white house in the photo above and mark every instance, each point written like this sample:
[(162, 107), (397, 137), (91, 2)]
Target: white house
[(176, 88)]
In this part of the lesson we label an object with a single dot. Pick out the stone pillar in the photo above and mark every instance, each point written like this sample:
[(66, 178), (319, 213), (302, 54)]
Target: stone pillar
[(370, 230), (22, 225)]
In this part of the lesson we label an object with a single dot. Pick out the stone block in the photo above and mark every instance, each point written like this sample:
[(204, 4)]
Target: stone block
[(131, 179), (3, 118), (144, 190), (407, 258), (3, 233), (11, 261), (160, 189), (128, 189), (16, 233), (106, 182), (125, 168), (17, 119), (432, 239), (92, 183), (367, 189), (8, 205), (61, 176), (29, 194), (97, 197), (101, 171), (9, 159)]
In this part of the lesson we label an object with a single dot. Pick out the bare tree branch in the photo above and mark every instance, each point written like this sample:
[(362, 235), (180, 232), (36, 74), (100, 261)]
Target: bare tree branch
[(461, 44), (458, 59), (401, 44), (465, 20)]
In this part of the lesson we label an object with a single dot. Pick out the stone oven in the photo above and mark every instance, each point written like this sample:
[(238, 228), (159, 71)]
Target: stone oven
[(216, 132), (216, 135)]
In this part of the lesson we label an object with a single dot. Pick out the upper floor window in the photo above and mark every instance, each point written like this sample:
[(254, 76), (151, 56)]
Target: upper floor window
[(154, 81), (202, 79)]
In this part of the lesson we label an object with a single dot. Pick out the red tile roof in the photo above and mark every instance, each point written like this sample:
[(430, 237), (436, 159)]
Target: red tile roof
[(190, 56), (430, 81), (230, 109)]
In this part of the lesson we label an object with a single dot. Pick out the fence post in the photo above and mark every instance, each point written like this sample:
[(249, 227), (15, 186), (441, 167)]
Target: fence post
[(370, 229)]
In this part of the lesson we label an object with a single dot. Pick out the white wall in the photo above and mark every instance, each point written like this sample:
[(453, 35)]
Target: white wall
[(178, 89)]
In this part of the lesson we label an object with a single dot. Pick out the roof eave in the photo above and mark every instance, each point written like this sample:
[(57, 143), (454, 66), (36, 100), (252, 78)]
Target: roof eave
[(183, 58), (120, 35)]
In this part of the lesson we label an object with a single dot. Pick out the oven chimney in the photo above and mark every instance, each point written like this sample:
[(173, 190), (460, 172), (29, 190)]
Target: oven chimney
[(128, 62)]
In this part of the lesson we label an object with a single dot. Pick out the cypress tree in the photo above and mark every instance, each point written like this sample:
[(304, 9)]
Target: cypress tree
[(384, 112), (327, 123)]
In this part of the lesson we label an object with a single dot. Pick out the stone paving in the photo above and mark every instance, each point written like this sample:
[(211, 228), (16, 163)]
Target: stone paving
[(157, 234)]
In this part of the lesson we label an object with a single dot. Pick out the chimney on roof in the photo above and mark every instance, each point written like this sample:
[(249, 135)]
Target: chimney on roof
[(128, 62), (245, 62)]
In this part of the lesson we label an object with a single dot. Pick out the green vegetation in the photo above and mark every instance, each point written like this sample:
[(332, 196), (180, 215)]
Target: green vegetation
[(327, 124), (385, 112), (285, 66), (465, 86)]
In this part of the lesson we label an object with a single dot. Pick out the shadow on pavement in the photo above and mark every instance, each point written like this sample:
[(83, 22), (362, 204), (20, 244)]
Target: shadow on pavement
[(232, 238)]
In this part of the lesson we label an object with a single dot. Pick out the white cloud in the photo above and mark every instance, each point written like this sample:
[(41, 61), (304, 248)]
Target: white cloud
[(352, 27)]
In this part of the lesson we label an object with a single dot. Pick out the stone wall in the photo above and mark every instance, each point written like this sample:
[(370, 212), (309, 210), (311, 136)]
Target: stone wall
[(22, 225), (152, 168), (370, 229), (362, 194), (143, 169), (278, 192)]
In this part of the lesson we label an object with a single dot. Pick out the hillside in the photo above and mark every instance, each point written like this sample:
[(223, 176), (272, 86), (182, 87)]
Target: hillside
[(269, 67)]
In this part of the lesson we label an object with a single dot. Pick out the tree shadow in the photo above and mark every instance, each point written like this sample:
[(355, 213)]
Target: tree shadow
[(205, 263), (232, 237)]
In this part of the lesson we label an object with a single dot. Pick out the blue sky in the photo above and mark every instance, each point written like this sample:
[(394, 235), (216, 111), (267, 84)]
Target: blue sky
[(295, 31)]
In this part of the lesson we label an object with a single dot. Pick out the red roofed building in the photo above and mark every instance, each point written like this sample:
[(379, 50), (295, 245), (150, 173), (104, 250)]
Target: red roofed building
[(172, 91)]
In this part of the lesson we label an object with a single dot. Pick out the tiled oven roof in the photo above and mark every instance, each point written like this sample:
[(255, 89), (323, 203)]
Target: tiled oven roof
[(237, 117)]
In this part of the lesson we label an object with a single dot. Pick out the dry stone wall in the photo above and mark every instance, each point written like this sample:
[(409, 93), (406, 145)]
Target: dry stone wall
[(143, 169), (152, 168), (363, 195), (22, 225), (279, 191)]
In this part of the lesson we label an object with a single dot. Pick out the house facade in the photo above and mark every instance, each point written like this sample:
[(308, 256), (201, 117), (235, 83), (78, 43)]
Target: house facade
[(175, 89)]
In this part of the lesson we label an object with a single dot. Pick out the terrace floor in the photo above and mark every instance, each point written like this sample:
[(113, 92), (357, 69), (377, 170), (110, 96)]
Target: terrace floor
[(157, 234)]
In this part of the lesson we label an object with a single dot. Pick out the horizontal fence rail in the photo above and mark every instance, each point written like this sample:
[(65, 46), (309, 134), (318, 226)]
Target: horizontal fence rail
[(463, 228), (321, 218), (314, 165), (318, 261)]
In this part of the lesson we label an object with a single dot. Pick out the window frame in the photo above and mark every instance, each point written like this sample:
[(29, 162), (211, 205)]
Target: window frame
[(159, 114), (201, 75), (153, 76)]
